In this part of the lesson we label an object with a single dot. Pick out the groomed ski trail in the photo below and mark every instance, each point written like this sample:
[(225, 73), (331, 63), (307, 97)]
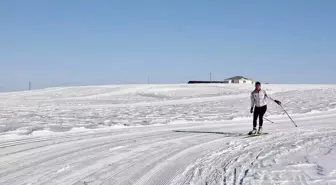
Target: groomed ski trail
[(165, 157)]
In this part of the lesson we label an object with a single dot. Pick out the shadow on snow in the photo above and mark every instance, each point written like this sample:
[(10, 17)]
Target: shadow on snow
[(210, 132)]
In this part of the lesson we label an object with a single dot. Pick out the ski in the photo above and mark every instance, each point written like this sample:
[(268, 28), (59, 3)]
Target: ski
[(254, 135)]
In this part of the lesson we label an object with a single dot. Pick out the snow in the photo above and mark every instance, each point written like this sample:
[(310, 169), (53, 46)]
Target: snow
[(166, 134)]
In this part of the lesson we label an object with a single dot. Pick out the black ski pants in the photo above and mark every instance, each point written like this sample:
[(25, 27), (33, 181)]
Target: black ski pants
[(259, 112)]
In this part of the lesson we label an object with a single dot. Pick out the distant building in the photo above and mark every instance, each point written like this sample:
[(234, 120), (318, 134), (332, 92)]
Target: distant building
[(232, 80), (238, 80), (204, 82)]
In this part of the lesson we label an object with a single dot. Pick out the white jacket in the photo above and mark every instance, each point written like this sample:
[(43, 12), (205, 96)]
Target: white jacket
[(258, 99)]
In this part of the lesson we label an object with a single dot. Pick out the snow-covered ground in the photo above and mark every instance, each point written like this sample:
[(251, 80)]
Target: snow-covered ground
[(166, 134)]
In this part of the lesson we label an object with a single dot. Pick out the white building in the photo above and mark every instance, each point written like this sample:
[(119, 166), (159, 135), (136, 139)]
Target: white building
[(238, 80)]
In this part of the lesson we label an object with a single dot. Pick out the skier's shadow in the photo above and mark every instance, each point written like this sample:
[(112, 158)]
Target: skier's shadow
[(227, 134)]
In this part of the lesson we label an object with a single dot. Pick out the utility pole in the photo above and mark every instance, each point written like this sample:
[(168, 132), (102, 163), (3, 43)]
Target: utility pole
[(210, 77), (29, 85), (148, 80)]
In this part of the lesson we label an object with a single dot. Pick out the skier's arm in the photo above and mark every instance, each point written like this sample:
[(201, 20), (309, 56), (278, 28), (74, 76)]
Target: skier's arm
[(252, 100), (276, 101), (252, 103)]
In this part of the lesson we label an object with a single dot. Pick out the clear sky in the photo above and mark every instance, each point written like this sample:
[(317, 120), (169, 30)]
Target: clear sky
[(82, 42)]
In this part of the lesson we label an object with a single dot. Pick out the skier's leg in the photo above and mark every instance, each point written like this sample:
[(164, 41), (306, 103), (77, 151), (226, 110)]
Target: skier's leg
[(261, 117), (255, 117)]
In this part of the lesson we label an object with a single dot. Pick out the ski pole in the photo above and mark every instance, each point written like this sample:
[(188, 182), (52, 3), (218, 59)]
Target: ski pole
[(288, 115), (268, 120)]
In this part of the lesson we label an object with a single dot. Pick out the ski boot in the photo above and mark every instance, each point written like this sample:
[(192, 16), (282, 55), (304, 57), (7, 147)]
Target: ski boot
[(254, 131), (259, 130)]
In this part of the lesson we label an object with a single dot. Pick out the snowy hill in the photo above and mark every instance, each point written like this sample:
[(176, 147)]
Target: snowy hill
[(166, 134)]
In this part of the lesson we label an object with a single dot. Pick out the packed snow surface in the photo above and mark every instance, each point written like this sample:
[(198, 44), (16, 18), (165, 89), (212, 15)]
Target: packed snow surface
[(166, 135)]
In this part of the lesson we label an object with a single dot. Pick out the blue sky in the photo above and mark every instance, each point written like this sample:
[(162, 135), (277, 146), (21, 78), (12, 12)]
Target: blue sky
[(81, 42)]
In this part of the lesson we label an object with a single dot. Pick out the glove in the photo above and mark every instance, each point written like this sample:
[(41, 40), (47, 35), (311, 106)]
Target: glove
[(278, 102), (251, 110)]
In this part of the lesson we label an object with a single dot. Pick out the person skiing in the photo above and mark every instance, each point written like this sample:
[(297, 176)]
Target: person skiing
[(259, 103)]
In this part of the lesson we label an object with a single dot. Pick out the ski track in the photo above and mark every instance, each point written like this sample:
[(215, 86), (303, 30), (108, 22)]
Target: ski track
[(252, 161), (181, 135)]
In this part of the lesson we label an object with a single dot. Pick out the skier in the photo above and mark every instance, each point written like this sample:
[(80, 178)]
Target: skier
[(258, 102)]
